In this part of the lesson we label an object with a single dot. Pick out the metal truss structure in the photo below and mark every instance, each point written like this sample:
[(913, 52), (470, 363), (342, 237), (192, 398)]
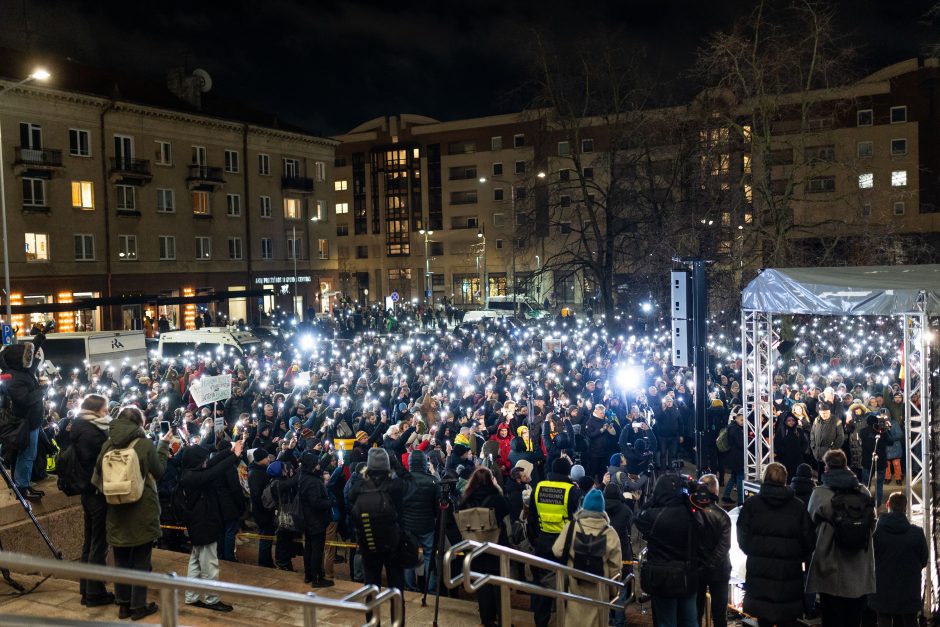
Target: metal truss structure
[(757, 343)]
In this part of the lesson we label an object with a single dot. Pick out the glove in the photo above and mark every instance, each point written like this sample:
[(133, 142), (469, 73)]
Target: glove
[(526, 495)]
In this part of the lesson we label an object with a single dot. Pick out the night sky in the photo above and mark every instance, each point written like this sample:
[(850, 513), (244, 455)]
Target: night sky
[(330, 65)]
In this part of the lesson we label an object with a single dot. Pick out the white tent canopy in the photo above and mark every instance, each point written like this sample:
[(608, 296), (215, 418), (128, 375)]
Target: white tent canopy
[(848, 291)]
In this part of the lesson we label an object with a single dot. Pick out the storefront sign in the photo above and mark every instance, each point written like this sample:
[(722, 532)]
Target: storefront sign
[(262, 280)]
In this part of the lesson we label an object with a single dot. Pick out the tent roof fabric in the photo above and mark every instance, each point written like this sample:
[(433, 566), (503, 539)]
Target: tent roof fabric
[(845, 291)]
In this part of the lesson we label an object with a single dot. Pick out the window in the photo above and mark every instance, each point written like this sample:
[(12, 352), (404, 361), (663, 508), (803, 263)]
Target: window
[(866, 210), (587, 145), (84, 247), (235, 248), (201, 203), (498, 194), (436, 248), (498, 220), (463, 198), (200, 157), (231, 161), (520, 167), (264, 164), (203, 247), (866, 180), (499, 244), (342, 230), (37, 247), (83, 195), (342, 207), (564, 149), (898, 115), (899, 208), (127, 247), (564, 201), (496, 143), (899, 178), (30, 136), (233, 205), (291, 168), (267, 248), (165, 203), (34, 192), (399, 274), (292, 208), (819, 153), (321, 211), (79, 143), (898, 147), (164, 153), (521, 193), (294, 245), (340, 186), (167, 248), (564, 175), (265, 206), (518, 140), (497, 169), (821, 184), (864, 117), (461, 148), (126, 197), (587, 173), (864, 149), (362, 252), (319, 168), (564, 228)]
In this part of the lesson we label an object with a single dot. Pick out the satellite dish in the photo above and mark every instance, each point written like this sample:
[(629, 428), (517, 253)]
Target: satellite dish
[(206, 80)]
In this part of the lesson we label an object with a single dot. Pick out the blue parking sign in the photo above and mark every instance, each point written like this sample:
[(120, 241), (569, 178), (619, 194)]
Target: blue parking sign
[(6, 331)]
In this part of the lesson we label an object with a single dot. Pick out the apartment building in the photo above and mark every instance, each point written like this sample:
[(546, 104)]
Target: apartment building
[(144, 194)]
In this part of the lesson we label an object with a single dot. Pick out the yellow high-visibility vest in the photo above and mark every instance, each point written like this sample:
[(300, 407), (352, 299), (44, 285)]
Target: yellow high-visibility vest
[(551, 503)]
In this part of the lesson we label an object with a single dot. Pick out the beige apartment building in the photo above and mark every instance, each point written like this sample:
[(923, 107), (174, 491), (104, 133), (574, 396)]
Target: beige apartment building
[(146, 196)]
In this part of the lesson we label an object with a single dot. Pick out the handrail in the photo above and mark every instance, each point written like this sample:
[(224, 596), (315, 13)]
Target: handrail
[(170, 584), (473, 581)]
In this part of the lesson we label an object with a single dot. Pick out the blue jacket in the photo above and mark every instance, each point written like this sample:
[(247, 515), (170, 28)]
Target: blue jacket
[(895, 450)]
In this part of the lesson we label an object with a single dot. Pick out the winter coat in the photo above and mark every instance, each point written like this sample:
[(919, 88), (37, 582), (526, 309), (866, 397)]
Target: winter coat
[(825, 436), (870, 447), (852, 445), (803, 488), (87, 438), (789, 445), (258, 480), (895, 450), (666, 521), (830, 564), (314, 501), (593, 523), (231, 495), (716, 541), (900, 555), (206, 523), (668, 423), (23, 388), (734, 458), (505, 446), (621, 519), (777, 535), (422, 493), (137, 523)]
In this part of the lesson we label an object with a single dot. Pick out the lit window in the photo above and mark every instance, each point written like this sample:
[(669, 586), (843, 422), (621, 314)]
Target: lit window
[(321, 211), (323, 247), (866, 180), (340, 186), (127, 247), (201, 203), (37, 247), (899, 178), (898, 115), (292, 208), (83, 195), (342, 207)]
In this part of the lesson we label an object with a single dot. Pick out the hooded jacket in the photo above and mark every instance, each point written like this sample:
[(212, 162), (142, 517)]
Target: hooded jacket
[(314, 499), (206, 522), (667, 523), (87, 437), (777, 535), (24, 390), (826, 435), (134, 524), (422, 493), (900, 555)]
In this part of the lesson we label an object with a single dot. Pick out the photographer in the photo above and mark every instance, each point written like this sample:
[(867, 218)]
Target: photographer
[(875, 437), (602, 437)]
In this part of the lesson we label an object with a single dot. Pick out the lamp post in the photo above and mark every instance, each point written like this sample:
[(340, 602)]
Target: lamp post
[(427, 265), (37, 75), (482, 262)]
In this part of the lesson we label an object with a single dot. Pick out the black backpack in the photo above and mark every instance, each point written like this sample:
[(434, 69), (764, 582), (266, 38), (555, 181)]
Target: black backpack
[(853, 519), (589, 549), (72, 479), (375, 519)]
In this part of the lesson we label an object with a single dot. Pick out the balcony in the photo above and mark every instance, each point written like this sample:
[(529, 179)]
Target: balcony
[(128, 170), (41, 162), (301, 184), (204, 178)]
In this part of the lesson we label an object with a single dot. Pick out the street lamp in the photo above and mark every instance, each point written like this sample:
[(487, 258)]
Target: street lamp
[(427, 265), (512, 246), (482, 256), (39, 74)]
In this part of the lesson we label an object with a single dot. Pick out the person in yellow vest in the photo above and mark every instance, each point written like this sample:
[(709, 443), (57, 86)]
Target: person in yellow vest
[(555, 499)]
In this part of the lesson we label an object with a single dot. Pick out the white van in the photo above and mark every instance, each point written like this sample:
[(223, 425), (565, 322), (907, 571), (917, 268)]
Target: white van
[(94, 350), (206, 340)]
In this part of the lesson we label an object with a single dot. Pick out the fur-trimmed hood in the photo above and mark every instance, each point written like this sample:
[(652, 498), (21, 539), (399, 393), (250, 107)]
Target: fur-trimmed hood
[(17, 356)]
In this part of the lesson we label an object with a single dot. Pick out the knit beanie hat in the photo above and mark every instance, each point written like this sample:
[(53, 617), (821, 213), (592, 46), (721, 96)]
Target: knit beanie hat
[(275, 468), (614, 460), (577, 471), (804, 470), (418, 461), (561, 466), (593, 501), (194, 456), (460, 449), (378, 461)]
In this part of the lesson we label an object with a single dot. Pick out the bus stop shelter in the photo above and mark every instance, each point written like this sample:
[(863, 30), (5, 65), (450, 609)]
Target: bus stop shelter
[(909, 293)]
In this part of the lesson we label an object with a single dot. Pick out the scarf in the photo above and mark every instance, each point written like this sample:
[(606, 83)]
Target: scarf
[(102, 422)]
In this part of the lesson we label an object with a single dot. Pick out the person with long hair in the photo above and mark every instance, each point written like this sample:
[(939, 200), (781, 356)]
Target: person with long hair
[(483, 491)]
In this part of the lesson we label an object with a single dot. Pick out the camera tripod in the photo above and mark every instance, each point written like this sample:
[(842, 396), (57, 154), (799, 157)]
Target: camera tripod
[(437, 553)]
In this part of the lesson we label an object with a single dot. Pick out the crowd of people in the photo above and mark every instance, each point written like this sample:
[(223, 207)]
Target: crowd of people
[(556, 437)]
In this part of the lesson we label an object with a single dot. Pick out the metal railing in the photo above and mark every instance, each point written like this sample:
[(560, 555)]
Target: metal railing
[(205, 173), (473, 581), (367, 600), (38, 156), (128, 165)]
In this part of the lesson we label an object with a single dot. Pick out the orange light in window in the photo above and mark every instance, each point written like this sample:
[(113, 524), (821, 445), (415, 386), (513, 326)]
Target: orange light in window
[(19, 320), (189, 310), (65, 320)]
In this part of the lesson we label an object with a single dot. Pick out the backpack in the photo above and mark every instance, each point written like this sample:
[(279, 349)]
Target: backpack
[(71, 476), (478, 524), (121, 479), (721, 442), (589, 550), (181, 504), (268, 501), (290, 512), (853, 519), (375, 519)]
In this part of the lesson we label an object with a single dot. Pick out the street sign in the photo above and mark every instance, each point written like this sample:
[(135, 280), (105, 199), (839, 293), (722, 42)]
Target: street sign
[(427, 293), (394, 297), (6, 331)]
